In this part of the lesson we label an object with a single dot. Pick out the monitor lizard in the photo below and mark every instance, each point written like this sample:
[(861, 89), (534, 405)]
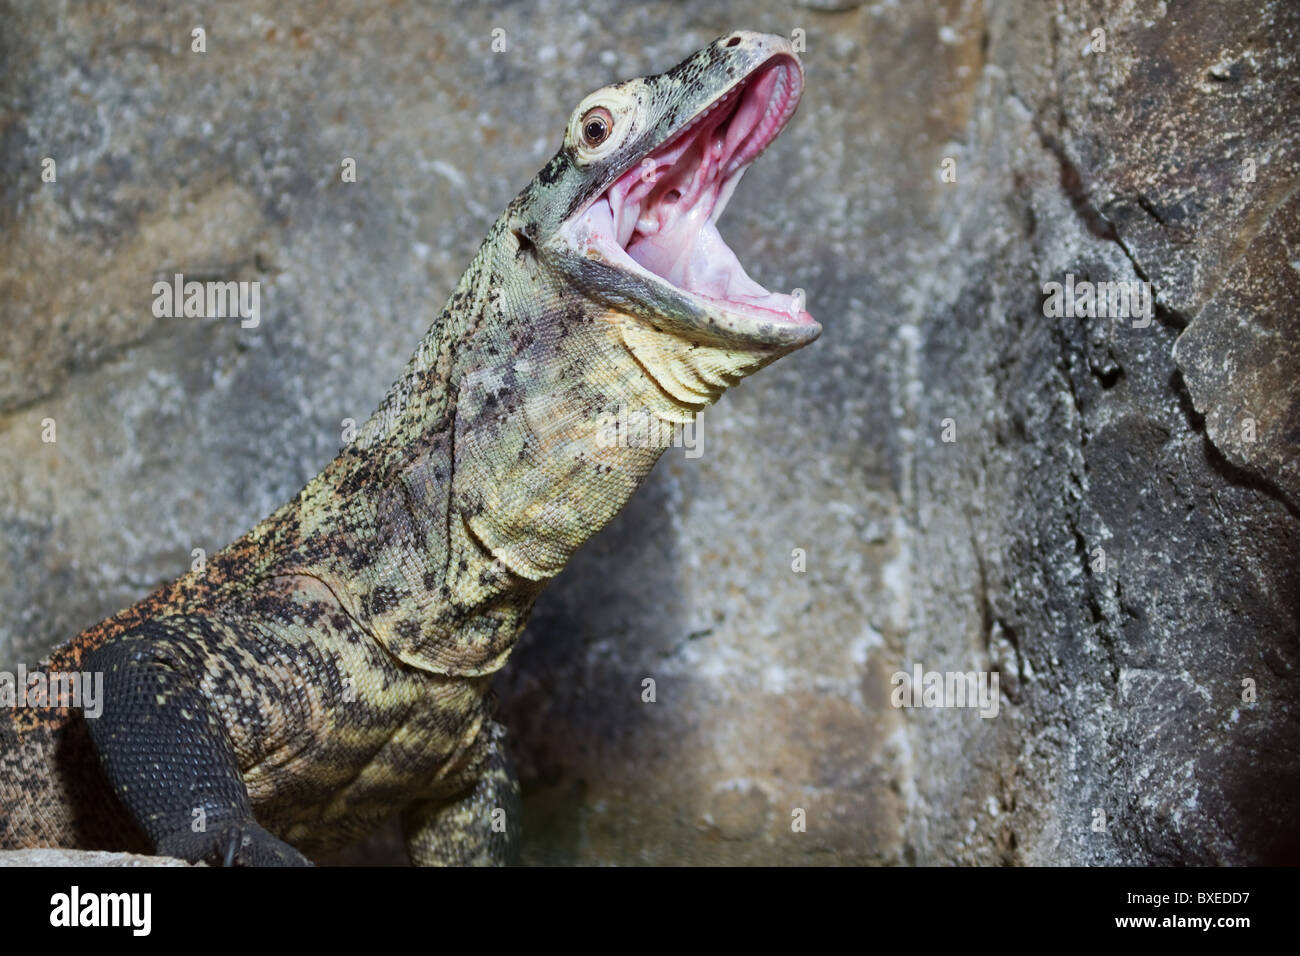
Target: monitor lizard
[(333, 666)]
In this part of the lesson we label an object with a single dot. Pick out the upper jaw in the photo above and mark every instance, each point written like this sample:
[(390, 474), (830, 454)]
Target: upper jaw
[(654, 226)]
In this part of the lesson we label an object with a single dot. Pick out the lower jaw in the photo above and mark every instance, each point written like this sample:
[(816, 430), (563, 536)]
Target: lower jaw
[(597, 262), (633, 291)]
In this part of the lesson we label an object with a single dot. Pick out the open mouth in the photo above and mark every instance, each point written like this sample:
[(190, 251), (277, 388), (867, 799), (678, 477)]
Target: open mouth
[(659, 219)]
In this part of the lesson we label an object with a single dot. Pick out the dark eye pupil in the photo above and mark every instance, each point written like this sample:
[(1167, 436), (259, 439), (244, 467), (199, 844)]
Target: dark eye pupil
[(595, 130)]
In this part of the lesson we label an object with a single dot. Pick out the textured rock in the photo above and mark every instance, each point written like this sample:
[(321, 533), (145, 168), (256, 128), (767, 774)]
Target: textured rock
[(55, 857), (1241, 358), (1170, 155)]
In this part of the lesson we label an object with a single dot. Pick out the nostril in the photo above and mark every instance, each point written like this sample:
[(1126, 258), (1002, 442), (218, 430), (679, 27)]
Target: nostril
[(734, 41)]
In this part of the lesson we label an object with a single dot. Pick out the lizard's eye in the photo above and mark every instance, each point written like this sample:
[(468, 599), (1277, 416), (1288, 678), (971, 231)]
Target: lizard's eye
[(597, 124)]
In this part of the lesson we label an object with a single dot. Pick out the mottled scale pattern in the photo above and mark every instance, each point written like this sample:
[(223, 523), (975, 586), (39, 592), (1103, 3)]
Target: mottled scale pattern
[(334, 665)]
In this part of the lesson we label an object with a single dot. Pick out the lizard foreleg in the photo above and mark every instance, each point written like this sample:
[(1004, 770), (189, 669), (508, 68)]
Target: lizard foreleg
[(166, 751), (478, 828)]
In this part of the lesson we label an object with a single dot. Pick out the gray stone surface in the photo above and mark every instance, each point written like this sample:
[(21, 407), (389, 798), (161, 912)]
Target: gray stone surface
[(1121, 687), (60, 857)]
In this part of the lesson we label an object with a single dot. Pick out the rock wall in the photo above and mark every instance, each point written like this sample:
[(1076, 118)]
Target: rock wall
[(1105, 511)]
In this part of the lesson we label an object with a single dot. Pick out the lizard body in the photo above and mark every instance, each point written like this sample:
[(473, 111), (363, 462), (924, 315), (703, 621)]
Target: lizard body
[(335, 663)]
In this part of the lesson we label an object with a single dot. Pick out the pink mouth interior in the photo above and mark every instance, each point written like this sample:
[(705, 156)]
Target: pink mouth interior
[(662, 213)]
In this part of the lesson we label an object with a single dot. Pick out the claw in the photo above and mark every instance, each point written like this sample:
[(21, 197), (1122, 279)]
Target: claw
[(232, 844)]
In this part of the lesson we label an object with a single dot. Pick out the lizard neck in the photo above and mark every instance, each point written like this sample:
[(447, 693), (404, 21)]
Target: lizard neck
[(495, 455)]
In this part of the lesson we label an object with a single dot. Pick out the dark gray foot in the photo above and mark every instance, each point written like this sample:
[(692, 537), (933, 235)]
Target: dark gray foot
[(231, 844)]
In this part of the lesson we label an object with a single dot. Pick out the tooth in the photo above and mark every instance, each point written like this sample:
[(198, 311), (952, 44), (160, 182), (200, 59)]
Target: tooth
[(627, 223), (724, 194)]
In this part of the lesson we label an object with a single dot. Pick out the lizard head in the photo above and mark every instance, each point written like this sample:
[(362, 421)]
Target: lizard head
[(633, 302), (627, 210)]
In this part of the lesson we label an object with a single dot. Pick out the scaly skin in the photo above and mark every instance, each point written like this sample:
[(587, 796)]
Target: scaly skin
[(334, 664)]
